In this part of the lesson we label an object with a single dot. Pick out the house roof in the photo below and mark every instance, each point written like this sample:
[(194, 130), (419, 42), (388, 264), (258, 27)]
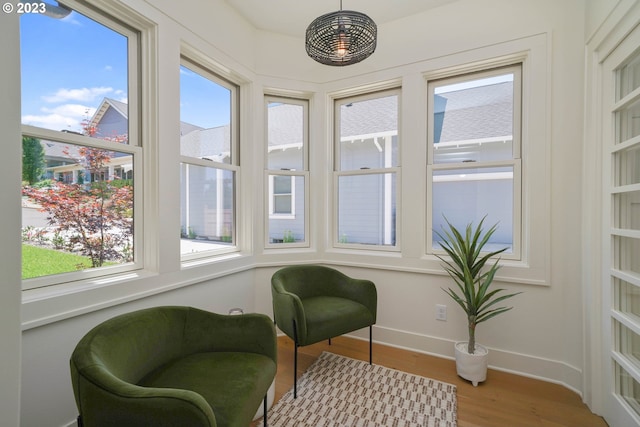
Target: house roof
[(474, 113), (210, 143), (374, 116), (461, 115), (123, 109), (120, 107), (285, 125)]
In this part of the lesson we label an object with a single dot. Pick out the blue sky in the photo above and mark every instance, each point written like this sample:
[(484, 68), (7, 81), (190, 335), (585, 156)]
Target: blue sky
[(69, 65)]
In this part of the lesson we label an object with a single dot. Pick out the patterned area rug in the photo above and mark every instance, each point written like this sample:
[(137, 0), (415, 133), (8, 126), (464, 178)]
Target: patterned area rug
[(339, 391)]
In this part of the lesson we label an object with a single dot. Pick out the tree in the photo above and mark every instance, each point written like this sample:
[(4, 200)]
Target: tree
[(98, 217), (32, 159)]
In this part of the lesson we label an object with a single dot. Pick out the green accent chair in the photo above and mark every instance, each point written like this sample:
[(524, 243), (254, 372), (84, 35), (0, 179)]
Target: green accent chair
[(174, 366), (312, 303)]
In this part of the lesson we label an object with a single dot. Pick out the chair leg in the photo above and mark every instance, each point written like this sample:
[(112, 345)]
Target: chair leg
[(80, 423), (370, 343), (329, 341), (295, 372), (265, 410), (295, 360)]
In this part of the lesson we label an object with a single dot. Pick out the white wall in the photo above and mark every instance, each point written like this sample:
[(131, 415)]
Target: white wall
[(542, 336), (10, 224), (597, 11), (47, 394)]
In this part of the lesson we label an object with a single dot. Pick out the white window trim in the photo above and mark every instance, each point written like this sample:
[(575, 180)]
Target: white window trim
[(337, 243), (233, 166), (273, 195), (123, 22), (393, 169), (304, 173), (534, 53), (514, 162)]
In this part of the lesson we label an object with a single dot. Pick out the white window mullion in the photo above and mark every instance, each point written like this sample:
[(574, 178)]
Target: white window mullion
[(286, 155), (367, 171), (460, 155)]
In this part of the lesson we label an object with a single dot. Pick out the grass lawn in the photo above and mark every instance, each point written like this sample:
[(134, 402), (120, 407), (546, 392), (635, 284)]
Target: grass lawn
[(38, 262)]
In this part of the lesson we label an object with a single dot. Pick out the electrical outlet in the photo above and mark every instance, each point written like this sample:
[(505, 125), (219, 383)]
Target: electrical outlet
[(441, 312)]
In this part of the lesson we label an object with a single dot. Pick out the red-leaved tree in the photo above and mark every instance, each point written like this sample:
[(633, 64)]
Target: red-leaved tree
[(96, 217)]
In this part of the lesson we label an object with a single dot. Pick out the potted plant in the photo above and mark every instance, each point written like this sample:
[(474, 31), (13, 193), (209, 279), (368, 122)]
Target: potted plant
[(466, 266)]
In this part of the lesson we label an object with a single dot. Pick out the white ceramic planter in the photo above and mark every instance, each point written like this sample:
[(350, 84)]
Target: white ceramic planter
[(472, 367)]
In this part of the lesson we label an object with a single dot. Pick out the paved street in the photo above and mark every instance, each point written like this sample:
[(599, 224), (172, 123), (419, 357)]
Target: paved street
[(31, 216)]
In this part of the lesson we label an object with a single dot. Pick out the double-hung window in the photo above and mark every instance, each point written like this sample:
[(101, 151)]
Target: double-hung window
[(208, 161), (367, 165), (287, 174), (474, 156), (81, 145)]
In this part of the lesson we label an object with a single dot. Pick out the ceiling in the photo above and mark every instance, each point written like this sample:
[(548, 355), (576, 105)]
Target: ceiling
[(291, 17)]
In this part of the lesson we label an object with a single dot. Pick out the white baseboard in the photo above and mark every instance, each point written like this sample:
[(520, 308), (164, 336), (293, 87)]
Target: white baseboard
[(544, 369)]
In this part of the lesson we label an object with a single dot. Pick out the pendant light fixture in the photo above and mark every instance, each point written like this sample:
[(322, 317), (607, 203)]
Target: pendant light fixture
[(341, 38)]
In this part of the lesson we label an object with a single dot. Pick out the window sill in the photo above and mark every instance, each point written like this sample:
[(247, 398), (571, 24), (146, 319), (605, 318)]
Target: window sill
[(52, 304)]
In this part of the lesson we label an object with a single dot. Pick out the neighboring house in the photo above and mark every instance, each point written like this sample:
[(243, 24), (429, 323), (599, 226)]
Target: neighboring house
[(465, 120), (471, 125), (63, 161), (474, 125)]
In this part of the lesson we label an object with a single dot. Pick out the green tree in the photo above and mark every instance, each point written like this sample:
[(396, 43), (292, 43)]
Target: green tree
[(32, 159)]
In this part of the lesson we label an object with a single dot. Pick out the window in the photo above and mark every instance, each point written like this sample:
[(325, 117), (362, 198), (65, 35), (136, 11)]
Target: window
[(366, 171), (209, 162), (474, 162), (282, 202), (287, 173), (81, 148)]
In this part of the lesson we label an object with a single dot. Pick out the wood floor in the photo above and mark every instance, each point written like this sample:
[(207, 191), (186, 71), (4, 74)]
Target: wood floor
[(502, 400)]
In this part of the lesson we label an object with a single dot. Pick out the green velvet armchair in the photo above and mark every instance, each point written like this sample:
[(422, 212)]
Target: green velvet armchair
[(312, 303), (174, 366)]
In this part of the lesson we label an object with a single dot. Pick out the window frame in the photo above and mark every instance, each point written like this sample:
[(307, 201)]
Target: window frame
[(270, 174), (460, 76), (110, 18), (291, 214), (395, 170), (233, 166)]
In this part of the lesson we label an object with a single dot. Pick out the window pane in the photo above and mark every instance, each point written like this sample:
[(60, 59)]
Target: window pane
[(627, 297), (282, 204), (369, 134), (287, 218), (629, 78), (628, 166), (282, 184), (74, 76), (205, 117), (626, 250), (627, 210), (77, 208), (628, 122), (627, 388), (627, 342), (473, 121), (285, 124), (367, 209), (468, 195), (206, 208)]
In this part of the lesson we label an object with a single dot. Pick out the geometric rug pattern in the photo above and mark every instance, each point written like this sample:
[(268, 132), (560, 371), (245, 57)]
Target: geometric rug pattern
[(340, 391)]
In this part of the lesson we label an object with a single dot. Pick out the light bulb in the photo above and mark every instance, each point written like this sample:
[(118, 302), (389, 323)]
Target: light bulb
[(341, 51)]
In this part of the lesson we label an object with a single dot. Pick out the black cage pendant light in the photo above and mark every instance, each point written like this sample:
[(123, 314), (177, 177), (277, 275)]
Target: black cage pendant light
[(341, 38)]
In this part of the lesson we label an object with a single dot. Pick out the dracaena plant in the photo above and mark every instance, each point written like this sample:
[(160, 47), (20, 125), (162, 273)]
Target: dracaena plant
[(466, 265)]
